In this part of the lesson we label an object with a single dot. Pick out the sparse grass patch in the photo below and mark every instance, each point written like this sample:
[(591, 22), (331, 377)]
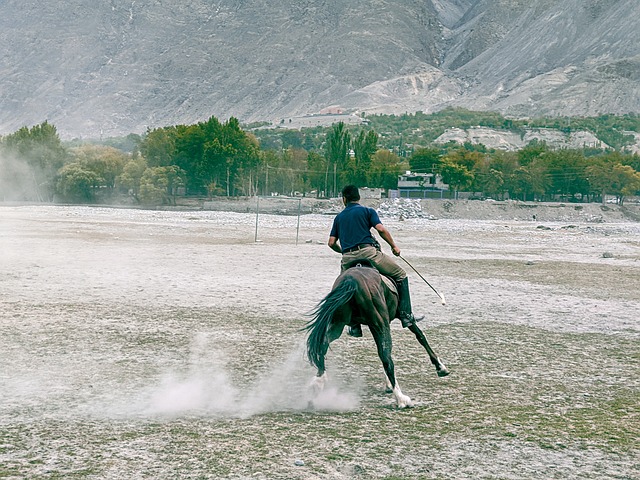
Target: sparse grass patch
[(144, 383)]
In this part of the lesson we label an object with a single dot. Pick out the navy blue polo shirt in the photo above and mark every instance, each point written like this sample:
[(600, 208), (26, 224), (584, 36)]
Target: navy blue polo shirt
[(352, 226)]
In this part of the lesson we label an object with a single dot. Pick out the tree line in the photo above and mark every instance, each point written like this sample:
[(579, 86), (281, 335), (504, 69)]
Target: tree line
[(214, 158), (535, 172), (209, 158)]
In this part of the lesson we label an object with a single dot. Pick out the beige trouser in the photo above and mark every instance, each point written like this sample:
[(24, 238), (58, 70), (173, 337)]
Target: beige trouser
[(383, 263)]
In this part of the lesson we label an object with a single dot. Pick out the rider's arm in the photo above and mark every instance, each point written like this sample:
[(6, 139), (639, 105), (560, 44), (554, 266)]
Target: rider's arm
[(386, 236), (333, 244)]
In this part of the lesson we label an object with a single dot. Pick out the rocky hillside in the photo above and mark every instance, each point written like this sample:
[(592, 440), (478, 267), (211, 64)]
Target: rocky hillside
[(570, 57), (506, 140), (120, 66)]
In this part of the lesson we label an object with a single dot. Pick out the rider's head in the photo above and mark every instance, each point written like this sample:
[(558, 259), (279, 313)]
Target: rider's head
[(350, 193)]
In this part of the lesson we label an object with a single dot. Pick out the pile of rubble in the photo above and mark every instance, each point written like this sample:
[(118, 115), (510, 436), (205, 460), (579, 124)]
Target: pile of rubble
[(402, 208)]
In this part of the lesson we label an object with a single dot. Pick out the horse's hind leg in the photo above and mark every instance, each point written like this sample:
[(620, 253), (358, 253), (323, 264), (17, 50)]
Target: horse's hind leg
[(319, 381), (441, 370), (382, 338), (317, 385)]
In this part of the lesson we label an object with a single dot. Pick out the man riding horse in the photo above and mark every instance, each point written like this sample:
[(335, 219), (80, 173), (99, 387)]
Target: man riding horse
[(352, 229)]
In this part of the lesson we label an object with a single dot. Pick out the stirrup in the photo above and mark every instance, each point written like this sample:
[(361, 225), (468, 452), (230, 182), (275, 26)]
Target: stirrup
[(409, 319)]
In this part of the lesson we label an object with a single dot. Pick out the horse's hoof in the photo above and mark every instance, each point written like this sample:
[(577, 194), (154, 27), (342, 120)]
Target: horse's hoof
[(317, 383), (403, 401), (441, 370), (388, 390)]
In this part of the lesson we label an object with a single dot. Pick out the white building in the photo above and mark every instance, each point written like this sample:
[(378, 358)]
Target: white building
[(421, 185)]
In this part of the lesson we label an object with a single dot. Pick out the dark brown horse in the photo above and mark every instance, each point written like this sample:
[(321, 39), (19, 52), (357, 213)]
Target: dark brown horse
[(361, 295)]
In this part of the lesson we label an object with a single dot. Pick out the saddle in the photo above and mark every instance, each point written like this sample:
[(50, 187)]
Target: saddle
[(389, 282)]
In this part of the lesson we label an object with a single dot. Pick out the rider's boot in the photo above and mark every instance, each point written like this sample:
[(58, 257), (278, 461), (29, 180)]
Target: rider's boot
[(355, 330), (404, 305)]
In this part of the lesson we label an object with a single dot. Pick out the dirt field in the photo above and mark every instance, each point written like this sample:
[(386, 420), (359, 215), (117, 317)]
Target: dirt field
[(140, 344)]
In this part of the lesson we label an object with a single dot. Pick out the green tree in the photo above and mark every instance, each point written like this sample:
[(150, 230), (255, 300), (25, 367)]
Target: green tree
[(106, 162), (131, 176), (158, 184), (190, 145), (293, 171), (229, 153), (520, 184), (292, 139), (609, 176), (39, 149), (385, 169), (336, 152), (493, 183), (567, 172), (458, 166), (365, 146), (316, 164), (75, 182), (506, 163), (538, 177), (214, 157), (456, 175), (534, 150), (270, 161), (215, 168), (176, 179), (633, 161), (425, 160), (246, 160), (159, 146), (626, 181)]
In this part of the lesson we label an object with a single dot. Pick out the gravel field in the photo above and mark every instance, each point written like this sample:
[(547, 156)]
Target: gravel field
[(143, 344)]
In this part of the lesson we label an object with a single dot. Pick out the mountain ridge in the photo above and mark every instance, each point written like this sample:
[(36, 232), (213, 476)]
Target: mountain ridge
[(118, 67)]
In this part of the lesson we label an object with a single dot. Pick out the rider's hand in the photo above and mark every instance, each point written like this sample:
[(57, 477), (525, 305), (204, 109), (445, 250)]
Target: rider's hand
[(396, 251)]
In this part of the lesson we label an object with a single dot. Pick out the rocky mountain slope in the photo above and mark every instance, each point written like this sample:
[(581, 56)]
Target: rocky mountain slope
[(120, 66), (506, 140)]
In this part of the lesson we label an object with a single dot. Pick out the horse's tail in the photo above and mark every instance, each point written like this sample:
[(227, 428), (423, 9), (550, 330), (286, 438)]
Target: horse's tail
[(322, 316)]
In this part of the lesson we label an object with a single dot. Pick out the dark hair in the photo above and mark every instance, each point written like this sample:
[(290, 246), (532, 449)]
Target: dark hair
[(351, 193)]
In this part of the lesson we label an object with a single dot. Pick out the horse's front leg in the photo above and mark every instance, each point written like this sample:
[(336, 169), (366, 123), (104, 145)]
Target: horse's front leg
[(382, 337), (441, 370), (388, 388)]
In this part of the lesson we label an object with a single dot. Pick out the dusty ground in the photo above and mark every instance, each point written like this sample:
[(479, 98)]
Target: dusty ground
[(162, 345)]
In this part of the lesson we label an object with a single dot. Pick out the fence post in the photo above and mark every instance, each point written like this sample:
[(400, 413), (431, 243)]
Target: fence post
[(298, 227), (257, 216)]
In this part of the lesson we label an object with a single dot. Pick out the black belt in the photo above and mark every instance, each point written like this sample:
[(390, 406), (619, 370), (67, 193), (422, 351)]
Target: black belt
[(357, 247)]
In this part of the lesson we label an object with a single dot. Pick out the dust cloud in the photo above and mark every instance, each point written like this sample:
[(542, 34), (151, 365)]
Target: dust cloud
[(18, 182), (205, 387)]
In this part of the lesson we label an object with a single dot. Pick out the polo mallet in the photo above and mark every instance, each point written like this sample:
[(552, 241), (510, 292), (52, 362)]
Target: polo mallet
[(425, 280)]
